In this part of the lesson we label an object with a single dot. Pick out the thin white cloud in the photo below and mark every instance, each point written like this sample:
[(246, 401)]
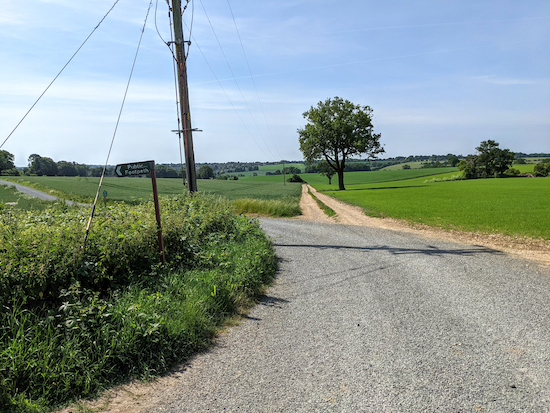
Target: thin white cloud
[(457, 23), (493, 79)]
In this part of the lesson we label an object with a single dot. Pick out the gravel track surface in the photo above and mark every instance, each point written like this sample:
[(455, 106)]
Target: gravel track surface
[(369, 320)]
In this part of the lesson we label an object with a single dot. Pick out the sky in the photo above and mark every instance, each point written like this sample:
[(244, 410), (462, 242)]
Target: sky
[(440, 76)]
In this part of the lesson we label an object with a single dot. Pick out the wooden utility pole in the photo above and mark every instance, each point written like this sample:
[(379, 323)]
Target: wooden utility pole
[(184, 97)]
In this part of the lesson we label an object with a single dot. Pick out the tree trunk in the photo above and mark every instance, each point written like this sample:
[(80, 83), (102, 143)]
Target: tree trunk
[(341, 180)]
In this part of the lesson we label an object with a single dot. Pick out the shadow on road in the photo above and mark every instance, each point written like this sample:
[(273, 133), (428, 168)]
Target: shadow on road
[(429, 250), (269, 301)]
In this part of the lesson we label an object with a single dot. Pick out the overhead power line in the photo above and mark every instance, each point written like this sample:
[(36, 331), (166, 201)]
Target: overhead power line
[(237, 83), (230, 101), (61, 71), (252, 78), (116, 125)]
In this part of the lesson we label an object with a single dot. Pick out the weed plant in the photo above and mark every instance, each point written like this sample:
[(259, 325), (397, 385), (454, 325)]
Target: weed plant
[(76, 321)]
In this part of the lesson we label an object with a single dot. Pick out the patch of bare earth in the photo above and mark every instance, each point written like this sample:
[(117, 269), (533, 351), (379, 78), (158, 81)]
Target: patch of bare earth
[(140, 397), (129, 398), (528, 248)]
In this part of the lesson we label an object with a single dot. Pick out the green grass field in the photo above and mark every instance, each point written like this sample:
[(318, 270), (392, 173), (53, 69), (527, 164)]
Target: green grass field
[(364, 177), (134, 189), (511, 206)]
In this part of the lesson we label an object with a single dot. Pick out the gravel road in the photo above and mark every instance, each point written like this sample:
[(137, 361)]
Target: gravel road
[(364, 319)]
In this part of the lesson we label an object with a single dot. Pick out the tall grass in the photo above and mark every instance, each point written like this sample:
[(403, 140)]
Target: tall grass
[(74, 322), (274, 208)]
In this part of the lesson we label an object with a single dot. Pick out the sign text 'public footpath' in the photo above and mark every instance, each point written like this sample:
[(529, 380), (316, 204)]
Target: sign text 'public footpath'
[(134, 169)]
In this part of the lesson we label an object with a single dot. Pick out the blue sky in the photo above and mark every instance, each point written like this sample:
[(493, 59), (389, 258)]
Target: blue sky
[(441, 76)]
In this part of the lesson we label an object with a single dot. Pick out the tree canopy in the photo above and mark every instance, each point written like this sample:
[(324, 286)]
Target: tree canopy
[(336, 130), (42, 165), (6, 161), (491, 161), (205, 172)]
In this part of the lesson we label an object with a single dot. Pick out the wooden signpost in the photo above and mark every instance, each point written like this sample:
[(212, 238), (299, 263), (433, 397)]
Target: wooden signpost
[(144, 168)]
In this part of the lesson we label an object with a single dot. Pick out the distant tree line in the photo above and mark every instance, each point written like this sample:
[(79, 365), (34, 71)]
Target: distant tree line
[(40, 165), (350, 167), (44, 166)]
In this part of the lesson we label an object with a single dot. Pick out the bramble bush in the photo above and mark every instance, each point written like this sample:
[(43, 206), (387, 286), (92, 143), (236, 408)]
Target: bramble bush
[(75, 321)]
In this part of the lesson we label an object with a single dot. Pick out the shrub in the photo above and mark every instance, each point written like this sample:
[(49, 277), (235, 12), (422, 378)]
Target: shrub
[(295, 178), (41, 252), (541, 169), (512, 172)]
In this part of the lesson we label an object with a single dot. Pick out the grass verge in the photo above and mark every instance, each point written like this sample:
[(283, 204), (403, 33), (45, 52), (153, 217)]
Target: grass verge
[(11, 198), (75, 322), (326, 209)]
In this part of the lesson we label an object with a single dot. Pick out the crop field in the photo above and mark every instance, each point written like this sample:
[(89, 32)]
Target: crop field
[(524, 168), (368, 177), (135, 189), (413, 165), (511, 206)]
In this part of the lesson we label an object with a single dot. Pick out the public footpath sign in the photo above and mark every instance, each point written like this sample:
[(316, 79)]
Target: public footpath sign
[(144, 168), (134, 169)]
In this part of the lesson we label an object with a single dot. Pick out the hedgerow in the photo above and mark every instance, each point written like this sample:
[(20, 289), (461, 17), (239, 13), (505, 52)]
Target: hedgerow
[(77, 320)]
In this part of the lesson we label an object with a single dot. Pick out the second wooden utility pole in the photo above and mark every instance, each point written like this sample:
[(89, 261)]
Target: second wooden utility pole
[(184, 97)]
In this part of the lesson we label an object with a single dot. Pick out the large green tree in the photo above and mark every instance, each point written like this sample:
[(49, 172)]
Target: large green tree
[(205, 172), (42, 166), (65, 168), (336, 130), (6, 161), (492, 160)]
